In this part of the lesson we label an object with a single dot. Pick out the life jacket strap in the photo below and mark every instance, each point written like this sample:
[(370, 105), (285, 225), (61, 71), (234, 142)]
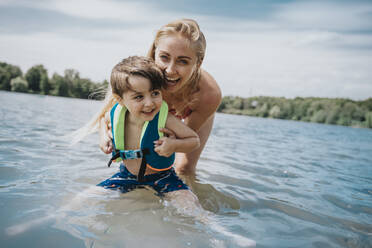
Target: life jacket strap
[(133, 154), (142, 170), (115, 156), (126, 154)]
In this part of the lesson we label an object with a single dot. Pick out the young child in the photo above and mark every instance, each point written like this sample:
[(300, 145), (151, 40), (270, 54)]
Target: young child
[(137, 119)]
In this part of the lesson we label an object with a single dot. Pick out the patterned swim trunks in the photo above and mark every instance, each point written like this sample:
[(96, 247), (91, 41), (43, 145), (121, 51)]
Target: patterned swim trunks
[(162, 182)]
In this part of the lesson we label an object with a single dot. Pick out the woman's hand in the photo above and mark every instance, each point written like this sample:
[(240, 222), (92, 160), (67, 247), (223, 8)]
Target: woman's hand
[(168, 133), (105, 135)]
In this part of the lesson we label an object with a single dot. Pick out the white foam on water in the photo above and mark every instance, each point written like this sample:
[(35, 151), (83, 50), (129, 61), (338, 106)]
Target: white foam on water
[(239, 240)]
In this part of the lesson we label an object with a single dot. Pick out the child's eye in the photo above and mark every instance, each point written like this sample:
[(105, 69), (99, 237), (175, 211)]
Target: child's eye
[(156, 93), (138, 97)]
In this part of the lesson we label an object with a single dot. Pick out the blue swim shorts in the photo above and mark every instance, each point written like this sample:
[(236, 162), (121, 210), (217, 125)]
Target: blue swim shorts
[(162, 182)]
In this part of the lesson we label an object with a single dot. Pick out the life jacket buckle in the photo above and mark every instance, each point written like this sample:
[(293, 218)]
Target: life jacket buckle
[(131, 154)]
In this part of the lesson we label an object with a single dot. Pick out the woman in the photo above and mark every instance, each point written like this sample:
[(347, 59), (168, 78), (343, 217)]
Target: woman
[(192, 93)]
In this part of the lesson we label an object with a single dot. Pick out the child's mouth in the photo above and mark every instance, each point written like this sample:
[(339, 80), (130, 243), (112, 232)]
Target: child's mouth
[(148, 112)]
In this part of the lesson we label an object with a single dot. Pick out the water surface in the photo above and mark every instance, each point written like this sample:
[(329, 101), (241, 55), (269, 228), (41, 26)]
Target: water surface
[(280, 183)]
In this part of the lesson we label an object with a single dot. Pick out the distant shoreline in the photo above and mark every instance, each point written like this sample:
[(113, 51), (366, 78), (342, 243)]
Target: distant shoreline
[(36, 81), (334, 111), (337, 111)]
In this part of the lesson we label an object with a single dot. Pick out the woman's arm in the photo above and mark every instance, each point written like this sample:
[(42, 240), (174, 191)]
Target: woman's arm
[(185, 139), (201, 121), (210, 99)]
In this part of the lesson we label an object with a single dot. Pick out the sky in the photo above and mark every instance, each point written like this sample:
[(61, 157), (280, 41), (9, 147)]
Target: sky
[(288, 48)]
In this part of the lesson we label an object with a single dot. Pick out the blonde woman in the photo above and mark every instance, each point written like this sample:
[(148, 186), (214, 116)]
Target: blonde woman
[(192, 93)]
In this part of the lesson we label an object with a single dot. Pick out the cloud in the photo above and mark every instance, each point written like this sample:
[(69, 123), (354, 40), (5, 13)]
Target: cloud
[(273, 63), (326, 15), (127, 11), (290, 48)]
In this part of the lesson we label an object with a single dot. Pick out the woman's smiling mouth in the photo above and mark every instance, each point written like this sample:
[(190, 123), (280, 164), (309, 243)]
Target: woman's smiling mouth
[(172, 81)]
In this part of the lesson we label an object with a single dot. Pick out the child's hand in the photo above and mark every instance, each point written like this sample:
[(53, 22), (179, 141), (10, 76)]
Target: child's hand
[(164, 146)]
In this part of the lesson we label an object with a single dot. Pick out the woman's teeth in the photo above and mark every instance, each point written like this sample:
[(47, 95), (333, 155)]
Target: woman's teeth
[(172, 80)]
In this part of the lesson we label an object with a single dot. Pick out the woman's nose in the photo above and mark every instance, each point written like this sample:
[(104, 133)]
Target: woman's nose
[(170, 68)]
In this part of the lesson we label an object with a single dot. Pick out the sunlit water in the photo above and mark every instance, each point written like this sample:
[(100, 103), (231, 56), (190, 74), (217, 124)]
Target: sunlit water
[(280, 183)]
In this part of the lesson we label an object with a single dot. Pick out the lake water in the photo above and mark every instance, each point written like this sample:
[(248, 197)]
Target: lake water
[(280, 183)]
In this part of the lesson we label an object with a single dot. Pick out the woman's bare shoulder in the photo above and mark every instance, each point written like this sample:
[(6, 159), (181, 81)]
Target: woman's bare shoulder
[(210, 92)]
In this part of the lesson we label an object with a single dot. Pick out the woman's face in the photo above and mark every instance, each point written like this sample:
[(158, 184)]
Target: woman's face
[(177, 60)]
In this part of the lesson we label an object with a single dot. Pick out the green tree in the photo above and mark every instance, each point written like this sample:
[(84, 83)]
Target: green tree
[(263, 111), (320, 116), (83, 88), (300, 108), (7, 73), (18, 84), (45, 84), (315, 106), (34, 76), (72, 78), (4, 79), (333, 115), (322, 110), (286, 109), (237, 103), (368, 119), (367, 104), (61, 87), (275, 112)]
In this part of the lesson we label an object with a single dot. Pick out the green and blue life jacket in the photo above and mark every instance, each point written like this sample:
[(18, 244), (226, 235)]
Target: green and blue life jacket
[(150, 133)]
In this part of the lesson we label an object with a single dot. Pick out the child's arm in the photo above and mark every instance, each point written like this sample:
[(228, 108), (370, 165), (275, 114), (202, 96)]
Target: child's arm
[(183, 138)]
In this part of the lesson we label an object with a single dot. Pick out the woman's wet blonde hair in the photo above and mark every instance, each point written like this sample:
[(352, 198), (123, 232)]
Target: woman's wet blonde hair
[(189, 29), (119, 84)]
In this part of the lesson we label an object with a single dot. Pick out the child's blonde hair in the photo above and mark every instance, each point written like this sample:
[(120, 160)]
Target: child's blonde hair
[(119, 84)]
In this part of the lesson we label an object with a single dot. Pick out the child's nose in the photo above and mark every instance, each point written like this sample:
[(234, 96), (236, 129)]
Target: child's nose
[(148, 101)]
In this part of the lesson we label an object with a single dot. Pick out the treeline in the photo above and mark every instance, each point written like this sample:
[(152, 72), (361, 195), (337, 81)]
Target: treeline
[(338, 111), (36, 80)]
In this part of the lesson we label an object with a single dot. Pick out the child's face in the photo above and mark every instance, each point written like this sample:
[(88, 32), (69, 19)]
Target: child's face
[(142, 102)]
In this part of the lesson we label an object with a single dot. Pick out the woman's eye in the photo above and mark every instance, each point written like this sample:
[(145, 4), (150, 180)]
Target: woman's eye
[(183, 62), (164, 57)]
